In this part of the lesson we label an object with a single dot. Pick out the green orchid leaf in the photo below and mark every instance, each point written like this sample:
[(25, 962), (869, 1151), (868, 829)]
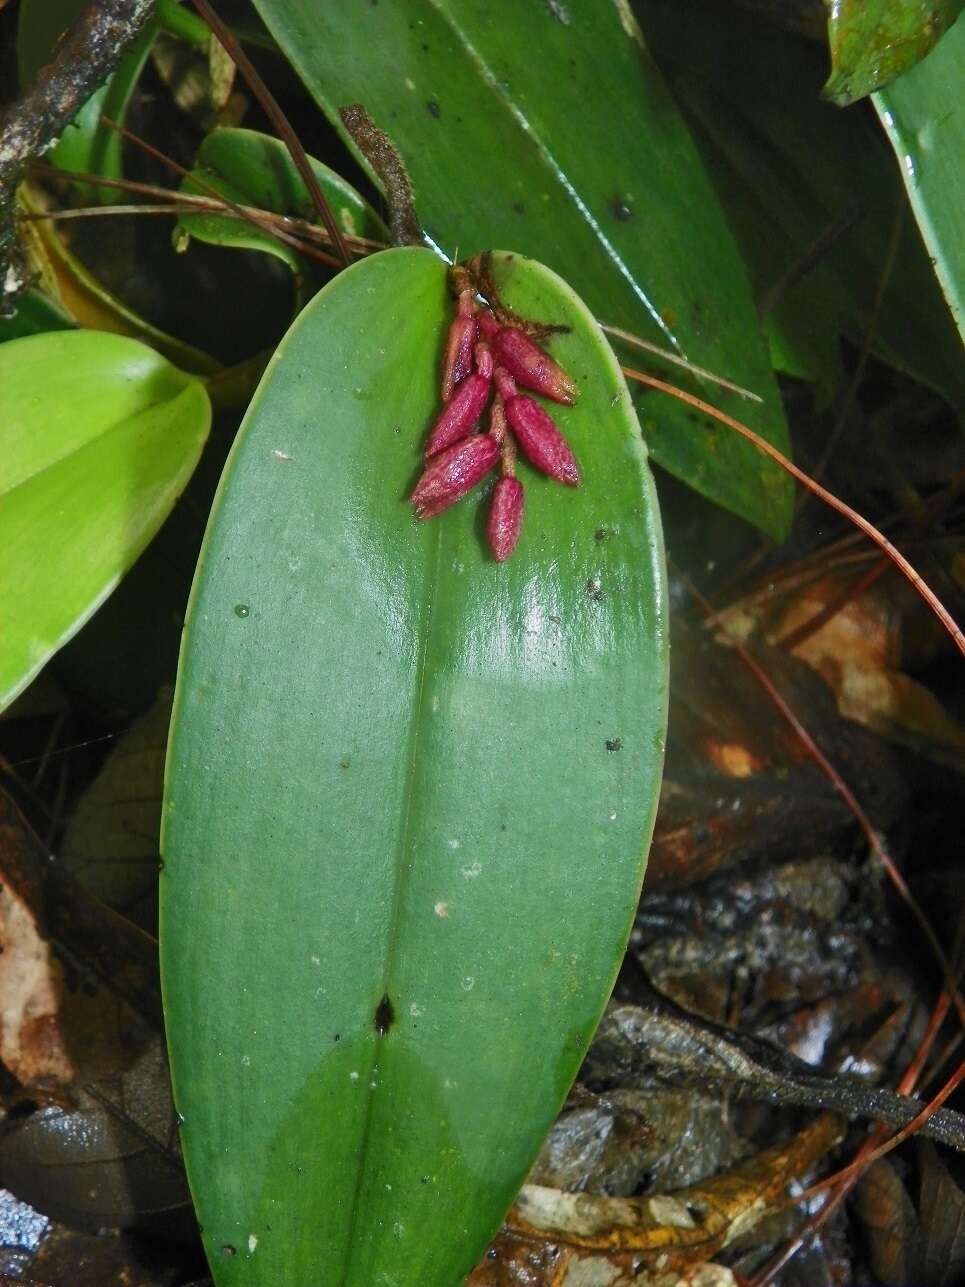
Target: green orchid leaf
[(551, 129), (256, 170), (35, 313), (790, 169), (98, 436), (86, 146), (409, 797), (874, 41), (924, 116)]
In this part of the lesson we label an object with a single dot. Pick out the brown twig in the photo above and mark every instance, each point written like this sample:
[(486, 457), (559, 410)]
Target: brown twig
[(842, 1182), (279, 120), (829, 498), (86, 53), (207, 205)]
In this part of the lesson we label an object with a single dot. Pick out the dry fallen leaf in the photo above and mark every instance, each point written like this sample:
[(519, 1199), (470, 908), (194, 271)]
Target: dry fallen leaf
[(32, 1044), (858, 654), (676, 1231)]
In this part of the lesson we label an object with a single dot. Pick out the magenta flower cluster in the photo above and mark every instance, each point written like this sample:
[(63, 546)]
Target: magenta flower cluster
[(481, 355)]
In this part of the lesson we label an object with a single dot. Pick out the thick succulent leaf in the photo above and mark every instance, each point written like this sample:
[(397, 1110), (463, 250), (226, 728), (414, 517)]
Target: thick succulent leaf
[(85, 146), (548, 127), (788, 167), (409, 796), (255, 169), (873, 41), (924, 115), (98, 436)]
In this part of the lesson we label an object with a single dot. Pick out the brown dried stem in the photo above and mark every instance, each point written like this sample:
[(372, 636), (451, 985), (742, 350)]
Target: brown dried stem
[(86, 54)]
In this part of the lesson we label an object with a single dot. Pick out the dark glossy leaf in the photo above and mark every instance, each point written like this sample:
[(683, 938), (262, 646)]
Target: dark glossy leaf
[(789, 168), (873, 41), (549, 128), (922, 114), (409, 792)]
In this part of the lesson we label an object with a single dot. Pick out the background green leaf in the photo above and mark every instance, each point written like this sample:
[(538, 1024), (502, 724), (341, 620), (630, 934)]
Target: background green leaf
[(98, 436), (924, 115), (399, 770), (787, 168), (256, 170), (551, 130), (873, 41)]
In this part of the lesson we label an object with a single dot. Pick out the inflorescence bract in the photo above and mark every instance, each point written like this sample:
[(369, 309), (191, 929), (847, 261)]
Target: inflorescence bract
[(484, 357)]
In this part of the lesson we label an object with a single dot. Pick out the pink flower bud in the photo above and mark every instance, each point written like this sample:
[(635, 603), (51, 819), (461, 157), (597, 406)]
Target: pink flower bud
[(487, 323), (454, 472), (458, 416), (457, 360), (505, 517), (540, 441), (484, 359), (531, 366), (505, 384)]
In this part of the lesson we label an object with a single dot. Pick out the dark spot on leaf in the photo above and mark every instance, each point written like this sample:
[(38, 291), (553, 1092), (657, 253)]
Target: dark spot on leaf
[(594, 589), (424, 1179), (343, 764), (614, 743), (228, 1250), (432, 107), (620, 210), (424, 47), (519, 208), (600, 534), (337, 1037), (384, 1016)]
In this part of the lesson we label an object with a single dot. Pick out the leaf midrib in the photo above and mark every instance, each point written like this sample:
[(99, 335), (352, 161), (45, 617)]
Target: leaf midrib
[(97, 440), (402, 867)]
